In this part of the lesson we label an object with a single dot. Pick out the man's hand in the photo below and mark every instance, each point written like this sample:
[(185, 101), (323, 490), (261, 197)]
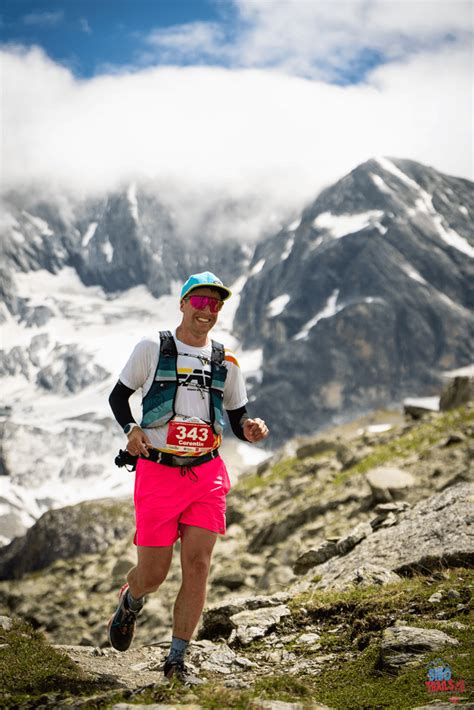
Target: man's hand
[(255, 429), (138, 442)]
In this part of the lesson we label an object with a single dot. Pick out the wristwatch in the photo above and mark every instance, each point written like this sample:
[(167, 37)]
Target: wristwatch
[(128, 427)]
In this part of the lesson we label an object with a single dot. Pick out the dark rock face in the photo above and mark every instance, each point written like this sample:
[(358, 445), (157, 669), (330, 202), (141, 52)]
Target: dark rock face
[(458, 392), (371, 295), (65, 533)]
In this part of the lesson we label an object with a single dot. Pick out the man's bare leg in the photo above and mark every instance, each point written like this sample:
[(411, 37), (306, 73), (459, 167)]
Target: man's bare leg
[(150, 572), (197, 545)]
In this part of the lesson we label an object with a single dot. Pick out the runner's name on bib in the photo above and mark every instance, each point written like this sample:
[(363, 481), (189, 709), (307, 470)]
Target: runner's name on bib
[(190, 435)]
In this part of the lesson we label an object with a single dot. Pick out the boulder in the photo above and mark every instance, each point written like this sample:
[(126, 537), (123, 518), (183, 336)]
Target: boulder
[(216, 620), (388, 482), (405, 644), (437, 532), (459, 391), (312, 558), (252, 624), (369, 575), (61, 534), (359, 533), (416, 411), (315, 447)]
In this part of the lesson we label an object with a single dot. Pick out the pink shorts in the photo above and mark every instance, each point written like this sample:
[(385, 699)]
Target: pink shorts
[(165, 499)]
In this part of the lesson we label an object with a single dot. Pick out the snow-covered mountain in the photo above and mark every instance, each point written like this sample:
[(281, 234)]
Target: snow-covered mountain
[(363, 299), (366, 298), (81, 284)]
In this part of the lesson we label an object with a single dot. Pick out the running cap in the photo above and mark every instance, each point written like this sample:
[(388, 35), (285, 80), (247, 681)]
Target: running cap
[(205, 279)]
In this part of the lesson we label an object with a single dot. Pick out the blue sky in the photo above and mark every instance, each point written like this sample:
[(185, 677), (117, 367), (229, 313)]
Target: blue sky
[(90, 35), (261, 101), (93, 37)]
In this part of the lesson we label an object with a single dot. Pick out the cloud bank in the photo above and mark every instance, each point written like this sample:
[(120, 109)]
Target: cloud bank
[(269, 129), (330, 41)]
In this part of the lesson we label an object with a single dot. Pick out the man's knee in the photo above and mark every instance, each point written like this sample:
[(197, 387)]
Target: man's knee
[(148, 579), (197, 565)]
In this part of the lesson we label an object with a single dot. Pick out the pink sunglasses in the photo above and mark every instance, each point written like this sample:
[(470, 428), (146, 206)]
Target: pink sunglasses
[(201, 302)]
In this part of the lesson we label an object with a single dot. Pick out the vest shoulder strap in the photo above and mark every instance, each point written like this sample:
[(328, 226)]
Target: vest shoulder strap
[(218, 354), (167, 344)]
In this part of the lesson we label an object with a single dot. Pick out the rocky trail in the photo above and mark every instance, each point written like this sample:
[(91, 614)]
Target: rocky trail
[(346, 571)]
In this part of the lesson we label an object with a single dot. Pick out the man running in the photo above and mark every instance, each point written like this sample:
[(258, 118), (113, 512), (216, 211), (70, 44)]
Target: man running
[(181, 482)]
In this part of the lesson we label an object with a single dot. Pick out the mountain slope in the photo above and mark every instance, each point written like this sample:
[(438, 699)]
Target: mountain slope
[(365, 299)]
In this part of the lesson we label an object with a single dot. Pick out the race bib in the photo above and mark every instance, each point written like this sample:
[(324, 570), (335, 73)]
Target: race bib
[(189, 436)]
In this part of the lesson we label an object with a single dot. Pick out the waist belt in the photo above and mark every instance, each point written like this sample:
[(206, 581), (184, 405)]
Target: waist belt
[(171, 460)]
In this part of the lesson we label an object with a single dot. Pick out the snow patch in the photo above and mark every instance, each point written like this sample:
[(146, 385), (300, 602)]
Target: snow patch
[(424, 204), (288, 248), (380, 184), (378, 428), (413, 273), (425, 402), (467, 371), (329, 310), (342, 225), (258, 267), (464, 210), (278, 305), (132, 200), (18, 237), (108, 250), (250, 362), (40, 224), (316, 243), (391, 168), (294, 225), (89, 234)]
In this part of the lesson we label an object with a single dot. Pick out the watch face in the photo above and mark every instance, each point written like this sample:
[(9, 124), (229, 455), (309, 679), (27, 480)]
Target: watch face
[(127, 429)]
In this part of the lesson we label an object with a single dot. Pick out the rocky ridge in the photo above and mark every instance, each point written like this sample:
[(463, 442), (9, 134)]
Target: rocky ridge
[(369, 292), (293, 592)]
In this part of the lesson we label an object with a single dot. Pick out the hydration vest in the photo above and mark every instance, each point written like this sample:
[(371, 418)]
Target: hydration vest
[(158, 403)]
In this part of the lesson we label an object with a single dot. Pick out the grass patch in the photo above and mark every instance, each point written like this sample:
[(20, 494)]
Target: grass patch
[(361, 614), (420, 440), (278, 472), (30, 666), (283, 687), (358, 683)]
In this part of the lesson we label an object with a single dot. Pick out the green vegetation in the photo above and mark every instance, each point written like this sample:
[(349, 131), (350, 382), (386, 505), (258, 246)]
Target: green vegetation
[(350, 624), (29, 667), (419, 440), (278, 472), (360, 615)]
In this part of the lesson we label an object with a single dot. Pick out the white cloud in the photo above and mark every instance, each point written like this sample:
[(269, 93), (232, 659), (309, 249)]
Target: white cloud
[(44, 19), (85, 26), (318, 39), (191, 39), (271, 139)]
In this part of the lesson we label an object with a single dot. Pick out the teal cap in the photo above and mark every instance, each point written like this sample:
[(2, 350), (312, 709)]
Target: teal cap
[(205, 279)]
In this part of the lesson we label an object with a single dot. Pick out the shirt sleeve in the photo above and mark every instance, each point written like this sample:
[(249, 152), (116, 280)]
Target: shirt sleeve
[(235, 393), (140, 364)]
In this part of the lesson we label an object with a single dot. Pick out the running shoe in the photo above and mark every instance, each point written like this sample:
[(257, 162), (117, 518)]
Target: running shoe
[(121, 626), (177, 670)]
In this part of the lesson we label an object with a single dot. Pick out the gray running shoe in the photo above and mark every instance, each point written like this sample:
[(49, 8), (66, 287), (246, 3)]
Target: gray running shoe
[(121, 627)]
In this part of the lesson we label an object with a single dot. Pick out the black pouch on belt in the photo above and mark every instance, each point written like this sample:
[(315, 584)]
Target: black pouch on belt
[(125, 458)]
